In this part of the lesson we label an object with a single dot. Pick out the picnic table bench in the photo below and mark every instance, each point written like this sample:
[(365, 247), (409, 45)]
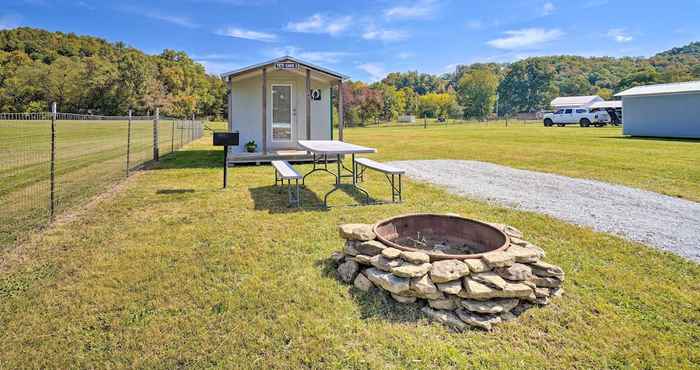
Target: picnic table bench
[(285, 171), (386, 169)]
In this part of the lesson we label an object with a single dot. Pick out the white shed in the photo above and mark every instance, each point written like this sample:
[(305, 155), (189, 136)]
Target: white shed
[(575, 101), (278, 102), (664, 110)]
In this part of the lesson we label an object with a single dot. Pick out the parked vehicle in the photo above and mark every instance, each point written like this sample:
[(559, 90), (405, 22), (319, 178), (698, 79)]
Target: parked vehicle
[(582, 116)]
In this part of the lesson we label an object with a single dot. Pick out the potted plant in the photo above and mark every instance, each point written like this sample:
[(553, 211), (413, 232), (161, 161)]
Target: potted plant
[(251, 146)]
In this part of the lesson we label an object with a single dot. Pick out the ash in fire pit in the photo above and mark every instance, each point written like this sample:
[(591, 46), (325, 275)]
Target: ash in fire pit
[(441, 236), (464, 272)]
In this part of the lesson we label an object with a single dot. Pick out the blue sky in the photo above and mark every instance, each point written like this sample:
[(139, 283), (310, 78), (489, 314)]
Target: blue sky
[(367, 39)]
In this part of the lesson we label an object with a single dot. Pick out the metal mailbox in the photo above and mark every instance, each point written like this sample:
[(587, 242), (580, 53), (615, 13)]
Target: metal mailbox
[(226, 138)]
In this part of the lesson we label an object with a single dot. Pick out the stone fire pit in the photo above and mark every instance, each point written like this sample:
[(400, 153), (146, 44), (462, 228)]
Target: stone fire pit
[(470, 273)]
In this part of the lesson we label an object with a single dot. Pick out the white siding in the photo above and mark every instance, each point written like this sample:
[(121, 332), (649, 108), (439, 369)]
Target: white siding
[(245, 104), (676, 115)]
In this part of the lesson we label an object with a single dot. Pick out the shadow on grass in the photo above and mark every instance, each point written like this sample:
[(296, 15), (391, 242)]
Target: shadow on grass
[(190, 159), (274, 199), (653, 138), (174, 191), (376, 303)]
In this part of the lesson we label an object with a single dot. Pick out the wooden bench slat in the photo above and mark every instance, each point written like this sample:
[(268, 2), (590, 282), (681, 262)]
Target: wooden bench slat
[(285, 170), (382, 167)]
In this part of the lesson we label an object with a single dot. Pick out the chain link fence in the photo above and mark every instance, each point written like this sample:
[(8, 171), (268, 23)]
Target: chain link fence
[(50, 162)]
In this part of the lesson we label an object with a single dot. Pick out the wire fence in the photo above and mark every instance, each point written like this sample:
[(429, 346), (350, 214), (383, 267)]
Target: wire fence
[(50, 162)]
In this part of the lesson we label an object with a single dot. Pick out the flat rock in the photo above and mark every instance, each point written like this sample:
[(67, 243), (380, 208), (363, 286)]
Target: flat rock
[(507, 316), (383, 263), (515, 290), (363, 259), (448, 270), (518, 241), (544, 269), (403, 299), (356, 232), (415, 257), (520, 308), (476, 265), (475, 290), (493, 306), (556, 292), (362, 283), (351, 247), (450, 287), (512, 232), (370, 248), (541, 292), (485, 322), (445, 317), (489, 278), (423, 285), (410, 270), (337, 257), (498, 259), (546, 282), (517, 272), (525, 254), (348, 270), (443, 304), (391, 252), (388, 281)]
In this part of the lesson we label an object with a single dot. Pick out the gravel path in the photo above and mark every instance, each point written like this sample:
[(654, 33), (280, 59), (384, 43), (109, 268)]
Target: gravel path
[(657, 220)]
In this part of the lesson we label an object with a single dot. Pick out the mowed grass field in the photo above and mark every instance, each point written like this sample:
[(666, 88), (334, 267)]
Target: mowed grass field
[(90, 156), (173, 271)]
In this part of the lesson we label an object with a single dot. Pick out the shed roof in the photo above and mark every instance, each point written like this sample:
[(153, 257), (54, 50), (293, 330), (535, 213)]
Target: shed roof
[(279, 60), (663, 89), (607, 104), (574, 101)]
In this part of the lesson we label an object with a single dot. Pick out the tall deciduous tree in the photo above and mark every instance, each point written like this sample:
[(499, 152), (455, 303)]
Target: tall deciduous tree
[(477, 92)]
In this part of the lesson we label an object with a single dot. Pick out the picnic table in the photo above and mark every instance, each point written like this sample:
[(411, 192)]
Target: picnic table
[(321, 150)]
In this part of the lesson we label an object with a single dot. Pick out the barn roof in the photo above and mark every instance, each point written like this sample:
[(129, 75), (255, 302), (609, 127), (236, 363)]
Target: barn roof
[(280, 60), (663, 89), (574, 101), (607, 104)]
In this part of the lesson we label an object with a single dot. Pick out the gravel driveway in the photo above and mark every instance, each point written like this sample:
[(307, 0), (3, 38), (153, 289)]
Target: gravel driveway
[(657, 220)]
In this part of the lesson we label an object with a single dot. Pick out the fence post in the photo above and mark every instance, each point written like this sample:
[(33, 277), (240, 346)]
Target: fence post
[(172, 137), (155, 135), (53, 160), (128, 145)]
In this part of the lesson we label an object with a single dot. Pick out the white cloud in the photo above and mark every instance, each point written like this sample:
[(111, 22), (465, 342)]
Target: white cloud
[(248, 34), (374, 70), (474, 24), (419, 9), (373, 33), (548, 8), (174, 19), (9, 21), (319, 23), (619, 35), (330, 57), (525, 38)]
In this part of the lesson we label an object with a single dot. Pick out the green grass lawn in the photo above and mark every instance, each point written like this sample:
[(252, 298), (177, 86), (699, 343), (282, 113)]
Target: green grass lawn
[(90, 157), (175, 272)]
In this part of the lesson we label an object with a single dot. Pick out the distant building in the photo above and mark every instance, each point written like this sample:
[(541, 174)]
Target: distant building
[(575, 101), (664, 110)]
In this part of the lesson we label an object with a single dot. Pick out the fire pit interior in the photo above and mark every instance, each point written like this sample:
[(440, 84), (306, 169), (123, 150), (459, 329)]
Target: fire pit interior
[(441, 236)]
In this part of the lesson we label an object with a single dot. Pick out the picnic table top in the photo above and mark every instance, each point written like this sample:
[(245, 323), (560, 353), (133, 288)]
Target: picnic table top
[(333, 147)]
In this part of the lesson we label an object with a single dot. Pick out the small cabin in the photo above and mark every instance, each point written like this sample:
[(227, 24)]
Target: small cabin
[(279, 102)]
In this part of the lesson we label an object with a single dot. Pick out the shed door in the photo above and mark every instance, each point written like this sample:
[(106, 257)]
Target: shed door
[(282, 113)]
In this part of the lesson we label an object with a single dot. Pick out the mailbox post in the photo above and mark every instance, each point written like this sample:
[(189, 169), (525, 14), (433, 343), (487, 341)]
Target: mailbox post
[(226, 139)]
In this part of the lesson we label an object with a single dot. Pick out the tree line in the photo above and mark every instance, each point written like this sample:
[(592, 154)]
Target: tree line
[(84, 74), (472, 91)]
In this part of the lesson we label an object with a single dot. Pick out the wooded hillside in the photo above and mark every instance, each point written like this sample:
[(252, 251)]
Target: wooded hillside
[(86, 74)]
